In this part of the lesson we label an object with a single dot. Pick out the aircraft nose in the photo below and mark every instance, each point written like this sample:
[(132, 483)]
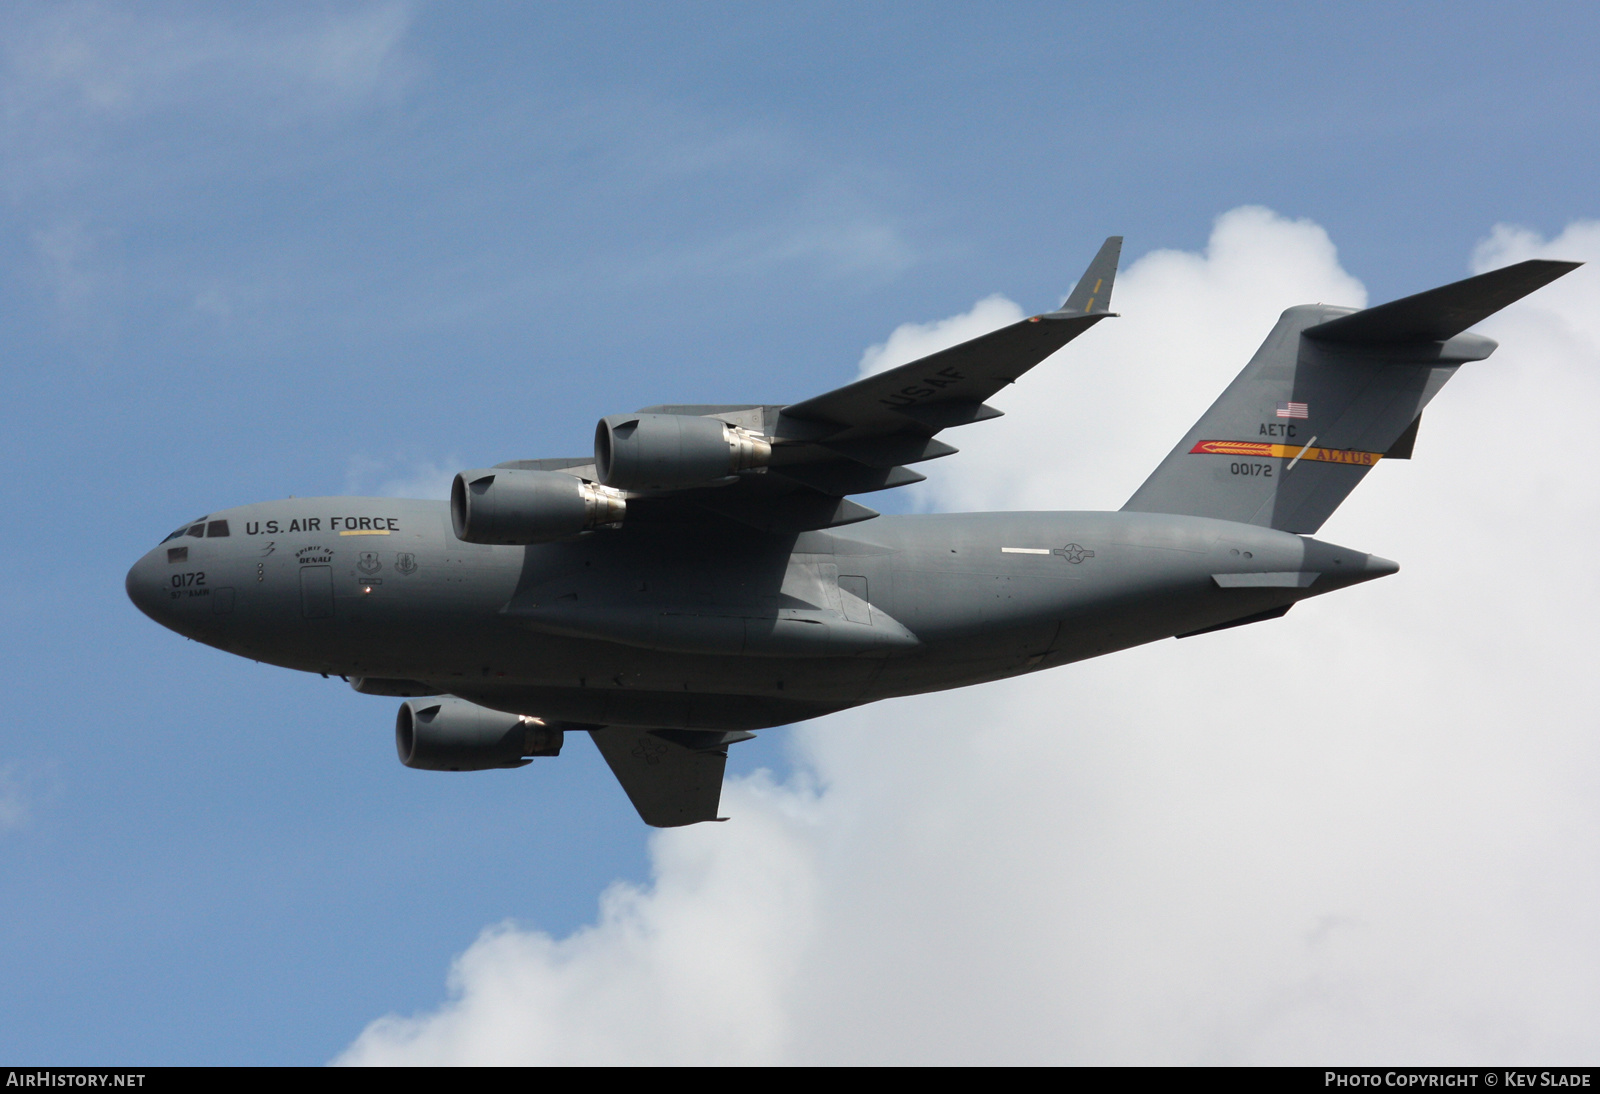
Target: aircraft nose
[(145, 585)]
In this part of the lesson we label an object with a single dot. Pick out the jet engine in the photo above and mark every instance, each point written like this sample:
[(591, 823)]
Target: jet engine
[(449, 734), (508, 506), (666, 451)]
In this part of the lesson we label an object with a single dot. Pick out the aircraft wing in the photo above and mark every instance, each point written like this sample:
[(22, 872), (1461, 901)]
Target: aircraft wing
[(673, 777), (866, 435), (948, 388)]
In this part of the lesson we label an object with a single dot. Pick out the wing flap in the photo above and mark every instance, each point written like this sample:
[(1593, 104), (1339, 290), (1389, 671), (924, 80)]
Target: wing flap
[(839, 477), (893, 450), (801, 511), (937, 416)]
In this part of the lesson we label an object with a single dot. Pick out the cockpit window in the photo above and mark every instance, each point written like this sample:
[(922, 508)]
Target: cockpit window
[(185, 529), (216, 528), (196, 531)]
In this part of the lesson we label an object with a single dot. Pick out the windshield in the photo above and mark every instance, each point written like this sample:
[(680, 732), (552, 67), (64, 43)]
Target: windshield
[(195, 528)]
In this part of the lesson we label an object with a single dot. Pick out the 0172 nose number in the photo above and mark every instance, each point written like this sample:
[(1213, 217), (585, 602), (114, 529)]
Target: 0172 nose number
[(190, 584)]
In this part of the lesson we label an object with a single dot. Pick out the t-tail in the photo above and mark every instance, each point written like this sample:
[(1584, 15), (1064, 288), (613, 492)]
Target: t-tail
[(1330, 393)]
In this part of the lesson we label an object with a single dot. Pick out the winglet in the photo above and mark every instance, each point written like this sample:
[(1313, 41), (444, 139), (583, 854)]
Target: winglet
[(1092, 294), (1442, 313)]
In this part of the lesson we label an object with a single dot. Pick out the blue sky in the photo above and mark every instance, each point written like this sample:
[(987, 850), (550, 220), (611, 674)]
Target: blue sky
[(321, 249)]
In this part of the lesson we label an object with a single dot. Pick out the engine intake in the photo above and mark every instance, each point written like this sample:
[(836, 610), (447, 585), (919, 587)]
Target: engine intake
[(450, 734), (508, 506), (665, 451)]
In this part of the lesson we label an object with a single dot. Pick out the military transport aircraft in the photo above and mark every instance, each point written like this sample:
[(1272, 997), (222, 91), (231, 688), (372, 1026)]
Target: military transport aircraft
[(704, 574)]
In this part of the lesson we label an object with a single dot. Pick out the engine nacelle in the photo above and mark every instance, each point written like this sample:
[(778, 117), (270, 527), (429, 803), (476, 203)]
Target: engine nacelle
[(509, 506), (449, 734), (665, 451)]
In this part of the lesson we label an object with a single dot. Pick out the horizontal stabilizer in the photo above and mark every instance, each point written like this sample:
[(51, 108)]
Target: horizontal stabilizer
[(1445, 312)]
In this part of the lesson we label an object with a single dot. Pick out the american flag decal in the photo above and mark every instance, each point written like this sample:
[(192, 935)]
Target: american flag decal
[(1294, 410)]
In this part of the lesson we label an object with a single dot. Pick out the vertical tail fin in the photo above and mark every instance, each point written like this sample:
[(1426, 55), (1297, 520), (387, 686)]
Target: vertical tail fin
[(1329, 393)]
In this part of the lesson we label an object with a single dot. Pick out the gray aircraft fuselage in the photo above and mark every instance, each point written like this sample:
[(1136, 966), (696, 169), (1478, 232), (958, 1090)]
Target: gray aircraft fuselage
[(707, 574), (714, 626)]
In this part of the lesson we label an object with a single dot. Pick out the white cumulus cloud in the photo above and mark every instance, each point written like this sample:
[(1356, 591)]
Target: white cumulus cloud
[(1367, 831), (909, 341), (696, 968)]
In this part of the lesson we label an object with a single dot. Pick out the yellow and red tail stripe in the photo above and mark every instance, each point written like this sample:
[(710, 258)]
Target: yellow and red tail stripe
[(1260, 450)]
